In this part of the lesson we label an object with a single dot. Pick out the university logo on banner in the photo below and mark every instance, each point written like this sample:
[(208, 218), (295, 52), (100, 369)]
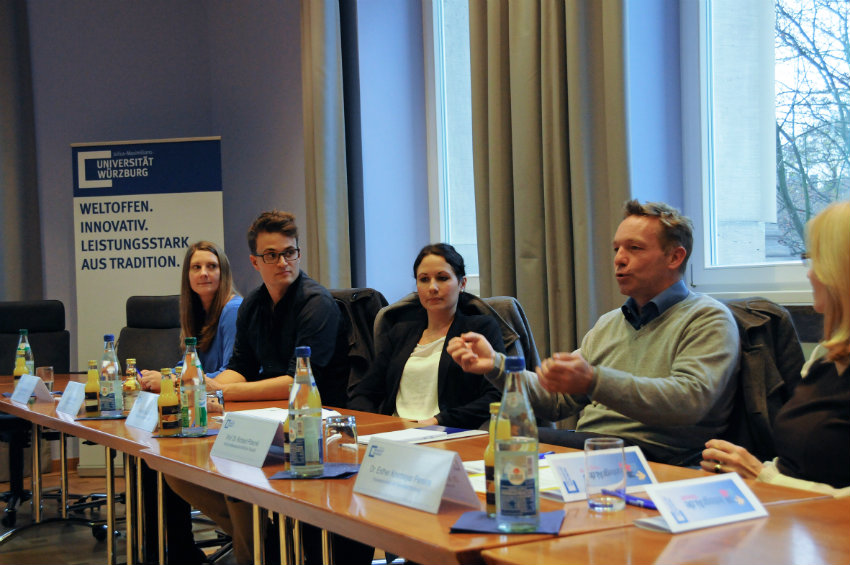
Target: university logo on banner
[(137, 206)]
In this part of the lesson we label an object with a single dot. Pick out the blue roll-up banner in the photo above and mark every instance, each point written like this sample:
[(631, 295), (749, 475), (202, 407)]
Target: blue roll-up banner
[(137, 206)]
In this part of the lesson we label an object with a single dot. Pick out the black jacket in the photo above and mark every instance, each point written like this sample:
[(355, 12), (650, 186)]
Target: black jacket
[(266, 337), (464, 398), (771, 359)]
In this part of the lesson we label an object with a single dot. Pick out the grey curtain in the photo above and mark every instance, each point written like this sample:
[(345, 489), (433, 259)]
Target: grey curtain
[(328, 256), (20, 246), (550, 161)]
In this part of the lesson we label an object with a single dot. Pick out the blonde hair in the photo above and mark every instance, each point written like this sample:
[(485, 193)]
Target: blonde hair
[(828, 244)]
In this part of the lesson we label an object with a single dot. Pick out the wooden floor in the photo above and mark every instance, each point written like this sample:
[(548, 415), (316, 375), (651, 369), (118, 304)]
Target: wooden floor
[(73, 544)]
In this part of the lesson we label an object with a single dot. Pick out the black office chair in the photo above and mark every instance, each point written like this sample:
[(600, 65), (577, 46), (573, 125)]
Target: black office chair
[(359, 307), (51, 345), (152, 333)]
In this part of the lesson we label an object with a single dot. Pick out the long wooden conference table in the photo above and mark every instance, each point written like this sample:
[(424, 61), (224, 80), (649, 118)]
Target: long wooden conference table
[(585, 536)]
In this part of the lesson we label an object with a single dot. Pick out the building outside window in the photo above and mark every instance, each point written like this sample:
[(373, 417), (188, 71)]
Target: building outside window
[(773, 111)]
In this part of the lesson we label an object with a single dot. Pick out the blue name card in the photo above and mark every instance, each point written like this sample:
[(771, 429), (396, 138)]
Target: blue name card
[(700, 503), (568, 469)]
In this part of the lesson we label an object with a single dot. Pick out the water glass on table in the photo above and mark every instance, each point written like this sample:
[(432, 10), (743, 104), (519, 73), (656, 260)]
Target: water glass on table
[(46, 375), (215, 402), (605, 474), (341, 439)]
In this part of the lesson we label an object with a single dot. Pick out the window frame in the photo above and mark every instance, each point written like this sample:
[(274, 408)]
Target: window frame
[(435, 126), (783, 283)]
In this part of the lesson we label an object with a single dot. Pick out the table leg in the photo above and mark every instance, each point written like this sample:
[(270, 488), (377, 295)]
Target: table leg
[(257, 516), (63, 476), (327, 549), (110, 506), (36, 473), (284, 527), (160, 517), (129, 505), (140, 515), (297, 546)]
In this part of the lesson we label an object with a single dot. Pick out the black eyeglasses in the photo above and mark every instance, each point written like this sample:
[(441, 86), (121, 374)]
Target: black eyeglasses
[(271, 257), (806, 259)]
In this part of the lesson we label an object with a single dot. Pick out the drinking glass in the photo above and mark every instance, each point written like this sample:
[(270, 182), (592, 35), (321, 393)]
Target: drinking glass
[(341, 439), (46, 375), (604, 474), (215, 402)]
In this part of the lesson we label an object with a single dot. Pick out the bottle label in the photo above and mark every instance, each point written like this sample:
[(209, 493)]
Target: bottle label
[(306, 441), (118, 393), (92, 403), (201, 404), (129, 401), (517, 485), (489, 479), (107, 396), (169, 420), (193, 411)]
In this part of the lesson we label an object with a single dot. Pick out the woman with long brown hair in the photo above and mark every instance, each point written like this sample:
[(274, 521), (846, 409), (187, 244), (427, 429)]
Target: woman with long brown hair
[(208, 307)]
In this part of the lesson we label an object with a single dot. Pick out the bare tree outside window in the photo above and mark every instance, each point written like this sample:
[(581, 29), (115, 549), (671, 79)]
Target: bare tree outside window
[(812, 112)]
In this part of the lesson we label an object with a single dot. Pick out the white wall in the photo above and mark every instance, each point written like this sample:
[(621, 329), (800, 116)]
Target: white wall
[(107, 71)]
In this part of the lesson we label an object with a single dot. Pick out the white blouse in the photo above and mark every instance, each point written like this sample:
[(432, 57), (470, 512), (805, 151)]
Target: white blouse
[(417, 392)]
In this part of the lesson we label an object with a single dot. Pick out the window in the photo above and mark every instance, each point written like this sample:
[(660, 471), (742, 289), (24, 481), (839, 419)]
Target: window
[(767, 94), (448, 102)]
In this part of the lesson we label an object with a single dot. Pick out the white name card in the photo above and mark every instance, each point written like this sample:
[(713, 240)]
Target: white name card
[(145, 412), (568, 469), (29, 385), (72, 398), (700, 503), (246, 439), (413, 475)]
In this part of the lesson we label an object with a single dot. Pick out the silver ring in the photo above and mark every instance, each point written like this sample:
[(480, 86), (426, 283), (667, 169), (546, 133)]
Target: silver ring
[(718, 468)]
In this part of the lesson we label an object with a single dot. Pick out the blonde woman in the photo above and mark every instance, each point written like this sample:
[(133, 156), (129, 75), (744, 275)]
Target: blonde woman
[(812, 431)]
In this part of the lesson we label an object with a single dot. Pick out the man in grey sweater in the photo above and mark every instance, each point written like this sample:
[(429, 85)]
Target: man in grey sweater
[(657, 372)]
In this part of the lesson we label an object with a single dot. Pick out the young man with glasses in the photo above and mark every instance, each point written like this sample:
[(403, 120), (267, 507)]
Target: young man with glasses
[(289, 309)]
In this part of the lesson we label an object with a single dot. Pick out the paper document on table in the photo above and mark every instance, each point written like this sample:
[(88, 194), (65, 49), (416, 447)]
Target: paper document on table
[(281, 414), (423, 434), (549, 486)]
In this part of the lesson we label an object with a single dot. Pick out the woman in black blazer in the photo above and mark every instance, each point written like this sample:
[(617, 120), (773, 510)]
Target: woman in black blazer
[(412, 376)]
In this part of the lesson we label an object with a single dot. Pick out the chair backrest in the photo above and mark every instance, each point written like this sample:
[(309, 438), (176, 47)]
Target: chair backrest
[(45, 321), (516, 332), (769, 370), (152, 334), (511, 313), (359, 307), (807, 322)]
